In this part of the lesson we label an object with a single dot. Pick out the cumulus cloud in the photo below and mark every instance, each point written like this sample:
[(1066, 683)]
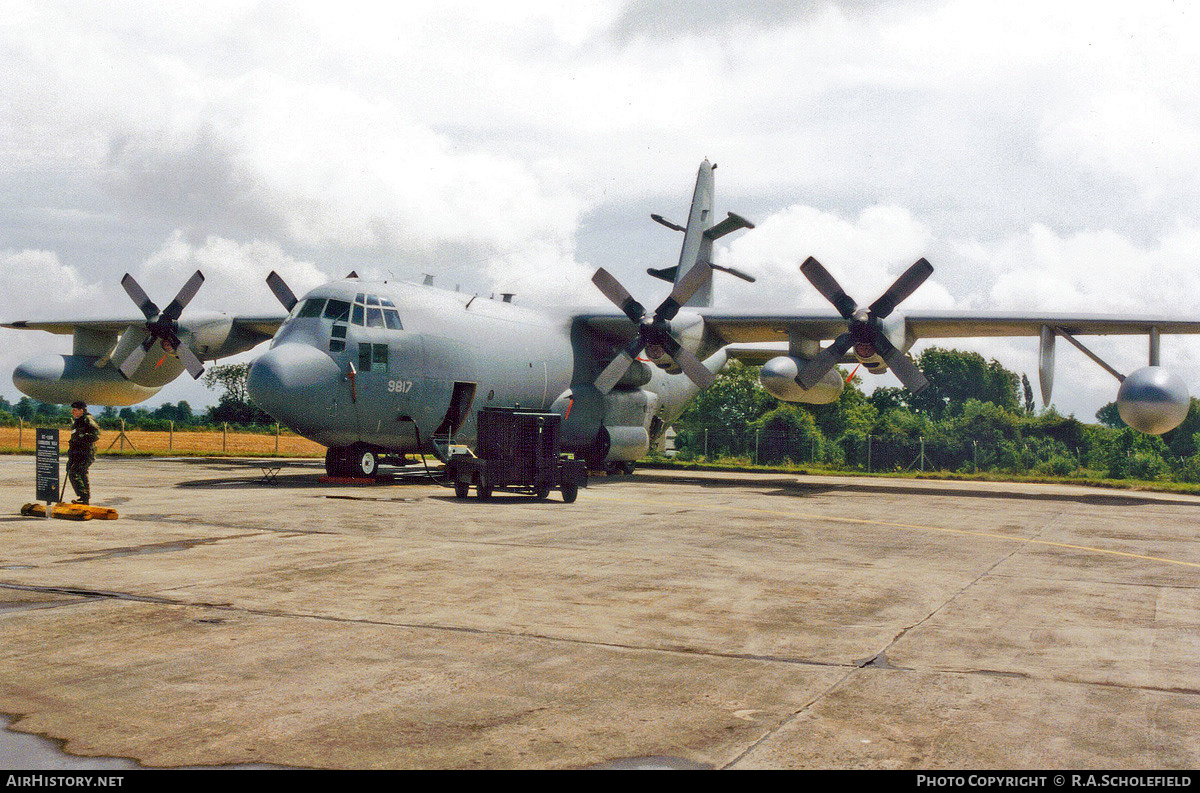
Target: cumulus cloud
[(1040, 155), (865, 255), (36, 283), (234, 273)]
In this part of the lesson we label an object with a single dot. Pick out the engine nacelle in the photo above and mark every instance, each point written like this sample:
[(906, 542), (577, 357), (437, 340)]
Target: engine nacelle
[(778, 377), (1153, 400), (61, 379)]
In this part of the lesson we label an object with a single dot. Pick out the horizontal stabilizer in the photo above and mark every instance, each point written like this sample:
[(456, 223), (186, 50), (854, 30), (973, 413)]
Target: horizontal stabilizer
[(667, 223), (728, 226), (734, 272), (665, 274)]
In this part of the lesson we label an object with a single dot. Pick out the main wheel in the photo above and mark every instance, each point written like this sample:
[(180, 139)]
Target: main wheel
[(461, 489), (542, 492), (569, 493)]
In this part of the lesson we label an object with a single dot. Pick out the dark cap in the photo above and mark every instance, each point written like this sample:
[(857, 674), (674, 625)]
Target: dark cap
[(79, 403)]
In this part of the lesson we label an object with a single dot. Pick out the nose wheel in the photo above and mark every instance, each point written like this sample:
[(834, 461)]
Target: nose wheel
[(356, 460)]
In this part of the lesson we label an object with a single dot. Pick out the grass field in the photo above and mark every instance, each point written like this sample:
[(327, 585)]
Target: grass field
[(212, 442)]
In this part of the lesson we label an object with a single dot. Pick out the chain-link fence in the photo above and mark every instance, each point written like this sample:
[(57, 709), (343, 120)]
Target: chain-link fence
[(871, 453)]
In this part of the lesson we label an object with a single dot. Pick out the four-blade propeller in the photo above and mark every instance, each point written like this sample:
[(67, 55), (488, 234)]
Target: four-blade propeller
[(161, 326), (653, 331), (865, 332)]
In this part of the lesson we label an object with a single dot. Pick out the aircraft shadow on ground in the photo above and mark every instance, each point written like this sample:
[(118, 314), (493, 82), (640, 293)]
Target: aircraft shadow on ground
[(244, 474), (928, 487)]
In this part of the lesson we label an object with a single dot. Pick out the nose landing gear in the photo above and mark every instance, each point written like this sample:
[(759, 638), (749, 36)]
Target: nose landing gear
[(357, 460)]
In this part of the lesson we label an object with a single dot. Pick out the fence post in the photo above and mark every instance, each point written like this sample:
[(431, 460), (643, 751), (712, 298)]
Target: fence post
[(20, 433), (868, 454), (756, 432), (922, 452), (121, 437), (706, 443), (277, 437), (170, 436), (224, 433)]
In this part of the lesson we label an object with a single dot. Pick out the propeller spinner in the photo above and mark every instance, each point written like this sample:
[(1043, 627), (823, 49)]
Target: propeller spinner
[(161, 326), (865, 330), (653, 331)]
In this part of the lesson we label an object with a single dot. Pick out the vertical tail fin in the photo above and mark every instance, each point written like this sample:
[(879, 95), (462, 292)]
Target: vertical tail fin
[(699, 235), (697, 246)]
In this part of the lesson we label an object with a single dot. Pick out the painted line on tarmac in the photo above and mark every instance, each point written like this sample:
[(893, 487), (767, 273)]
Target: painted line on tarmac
[(914, 527)]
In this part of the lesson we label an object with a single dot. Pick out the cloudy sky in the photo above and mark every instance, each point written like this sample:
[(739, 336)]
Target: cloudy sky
[(1042, 155)]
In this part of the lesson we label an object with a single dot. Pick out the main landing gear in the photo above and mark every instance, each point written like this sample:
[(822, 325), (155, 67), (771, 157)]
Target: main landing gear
[(357, 460)]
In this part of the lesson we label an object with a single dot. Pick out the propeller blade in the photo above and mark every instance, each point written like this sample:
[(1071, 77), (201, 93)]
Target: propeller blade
[(823, 361), (905, 285), (901, 365), (134, 290), (281, 291), (176, 306), (907, 371), (619, 295), (828, 286), (694, 368), (132, 361), (190, 361), (692, 280), (613, 373), (133, 336)]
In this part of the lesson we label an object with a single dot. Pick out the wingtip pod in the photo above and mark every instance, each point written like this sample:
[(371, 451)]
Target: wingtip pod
[(1153, 400)]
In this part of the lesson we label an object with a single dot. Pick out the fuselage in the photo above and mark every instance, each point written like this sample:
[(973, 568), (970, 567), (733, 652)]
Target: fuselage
[(393, 365)]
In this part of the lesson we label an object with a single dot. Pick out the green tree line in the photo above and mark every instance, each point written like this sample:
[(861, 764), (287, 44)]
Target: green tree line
[(974, 416)]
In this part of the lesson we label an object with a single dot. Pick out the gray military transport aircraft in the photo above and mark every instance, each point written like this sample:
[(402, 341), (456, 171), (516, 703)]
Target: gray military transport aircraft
[(378, 370)]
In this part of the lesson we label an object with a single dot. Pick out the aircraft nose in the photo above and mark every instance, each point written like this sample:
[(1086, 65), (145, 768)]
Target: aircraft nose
[(292, 380)]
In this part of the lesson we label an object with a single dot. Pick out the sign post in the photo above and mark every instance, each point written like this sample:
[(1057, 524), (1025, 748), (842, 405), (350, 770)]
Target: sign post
[(47, 474)]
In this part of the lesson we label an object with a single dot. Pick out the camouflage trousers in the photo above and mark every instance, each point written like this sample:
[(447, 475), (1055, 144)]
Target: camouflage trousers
[(77, 475)]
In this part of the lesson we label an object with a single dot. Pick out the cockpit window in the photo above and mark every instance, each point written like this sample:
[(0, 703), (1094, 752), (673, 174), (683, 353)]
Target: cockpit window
[(337, 310), (374, 318), (357, 317), (372, 300), (392, 317), (312, 307)]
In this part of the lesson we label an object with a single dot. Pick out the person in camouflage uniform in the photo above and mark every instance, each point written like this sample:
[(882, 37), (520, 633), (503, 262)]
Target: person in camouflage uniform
[(81, 451)]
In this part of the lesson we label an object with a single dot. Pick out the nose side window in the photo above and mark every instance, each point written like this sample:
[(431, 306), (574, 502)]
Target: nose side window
[(337, 338), (312, 307)]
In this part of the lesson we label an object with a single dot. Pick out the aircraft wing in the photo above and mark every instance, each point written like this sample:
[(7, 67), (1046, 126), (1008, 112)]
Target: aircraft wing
[(820, 325), (747, 336), (243, 333), (68, 326)]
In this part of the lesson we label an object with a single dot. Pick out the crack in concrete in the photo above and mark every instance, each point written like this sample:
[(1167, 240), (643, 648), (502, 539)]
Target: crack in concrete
[(872, 662)]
